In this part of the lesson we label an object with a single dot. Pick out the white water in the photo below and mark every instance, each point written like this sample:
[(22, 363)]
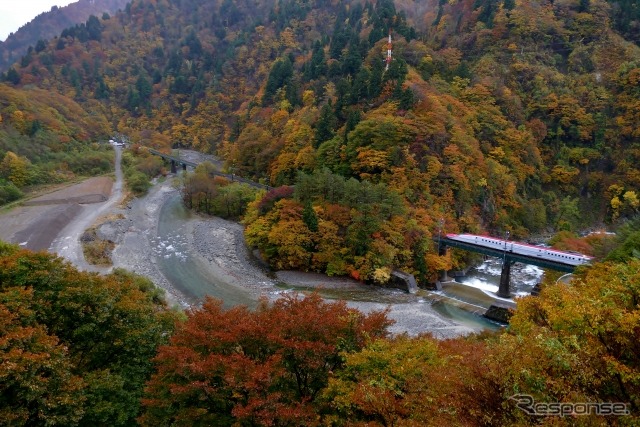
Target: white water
[(486, 277)]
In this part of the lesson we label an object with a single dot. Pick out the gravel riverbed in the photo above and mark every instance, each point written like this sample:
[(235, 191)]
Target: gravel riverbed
[(133, 234), (219, 248)]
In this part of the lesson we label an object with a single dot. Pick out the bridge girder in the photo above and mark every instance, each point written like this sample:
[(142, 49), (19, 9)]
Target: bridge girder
[(175, 161), (512, 256)]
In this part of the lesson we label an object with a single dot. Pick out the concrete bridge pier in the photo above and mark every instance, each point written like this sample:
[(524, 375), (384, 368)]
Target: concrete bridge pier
[(505, 278), (442, 251)]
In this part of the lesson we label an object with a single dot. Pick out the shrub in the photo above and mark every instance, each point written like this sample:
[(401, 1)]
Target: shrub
[(9, 192)]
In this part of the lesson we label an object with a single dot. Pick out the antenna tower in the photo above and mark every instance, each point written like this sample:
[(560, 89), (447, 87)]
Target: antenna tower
[(388, 61)]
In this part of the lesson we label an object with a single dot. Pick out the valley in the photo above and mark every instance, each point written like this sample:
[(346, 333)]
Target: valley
[(190, 256), (370, 130)]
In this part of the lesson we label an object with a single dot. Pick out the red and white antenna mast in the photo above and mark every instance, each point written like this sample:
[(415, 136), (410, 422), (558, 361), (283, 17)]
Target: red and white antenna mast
[(388, 61)]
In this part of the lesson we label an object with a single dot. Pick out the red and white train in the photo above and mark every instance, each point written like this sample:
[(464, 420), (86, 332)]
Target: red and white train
[(564, 257)]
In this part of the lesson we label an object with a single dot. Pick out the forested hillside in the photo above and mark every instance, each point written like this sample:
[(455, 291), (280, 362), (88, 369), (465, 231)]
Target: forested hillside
[(492, 115), (48, 25), (46, 138)]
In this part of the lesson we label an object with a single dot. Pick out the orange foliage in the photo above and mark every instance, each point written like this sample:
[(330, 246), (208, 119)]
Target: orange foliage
[(266, 366)]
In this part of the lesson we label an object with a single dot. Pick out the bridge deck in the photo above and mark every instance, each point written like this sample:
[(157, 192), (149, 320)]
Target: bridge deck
[(527, 254), (230, 177), (170, 157)]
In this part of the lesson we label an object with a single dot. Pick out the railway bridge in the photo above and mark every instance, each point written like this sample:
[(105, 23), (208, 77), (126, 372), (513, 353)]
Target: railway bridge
[(512, 252), (177, 161), (174, 160)]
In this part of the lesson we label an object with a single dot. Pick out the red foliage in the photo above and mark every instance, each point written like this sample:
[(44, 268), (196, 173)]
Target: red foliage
[(278, 193), (261, 368), (221, 181)]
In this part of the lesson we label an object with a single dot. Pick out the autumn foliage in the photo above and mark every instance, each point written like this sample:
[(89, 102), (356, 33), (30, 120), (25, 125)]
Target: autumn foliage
[(266, 367), (492, 115), (75, 348), (308, 362)]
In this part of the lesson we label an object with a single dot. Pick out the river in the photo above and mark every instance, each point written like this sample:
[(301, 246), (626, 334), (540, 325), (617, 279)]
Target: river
[(187, 274), (183, 271)]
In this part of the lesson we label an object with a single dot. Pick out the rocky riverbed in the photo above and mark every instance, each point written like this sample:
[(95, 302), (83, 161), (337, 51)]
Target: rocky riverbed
[(133, 231), (221, 246), (219, 249)]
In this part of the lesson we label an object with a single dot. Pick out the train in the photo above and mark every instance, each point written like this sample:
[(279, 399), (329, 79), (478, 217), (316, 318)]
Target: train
[(564, 257)]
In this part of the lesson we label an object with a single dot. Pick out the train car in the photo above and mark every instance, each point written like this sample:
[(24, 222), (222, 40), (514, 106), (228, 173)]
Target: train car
[(570, 258)]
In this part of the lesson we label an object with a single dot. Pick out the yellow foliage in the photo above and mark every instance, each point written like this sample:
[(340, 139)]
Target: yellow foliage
[(369, 160), (631, 198), (615, 207), (285, 105), (564, 174), (308, 98), (288, 39), (282, 166), (437, 263), (306, 159), (279, 120), (381, 275), (19, 121), (615, 189), (14, 168), (497, 153)]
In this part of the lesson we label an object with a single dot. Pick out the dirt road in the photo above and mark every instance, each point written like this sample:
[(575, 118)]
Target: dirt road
[(67, 244), (37, 222)]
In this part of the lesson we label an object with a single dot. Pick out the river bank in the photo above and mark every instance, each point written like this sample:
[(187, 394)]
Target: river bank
[(215, 248), (190, 256)]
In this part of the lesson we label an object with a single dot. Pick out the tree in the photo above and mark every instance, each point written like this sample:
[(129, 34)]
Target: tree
[(410, 382), (94, 28), (12, 76), (317, 66), (280, 75), (568, 213), (40, 46), (325, 125), (577, 342), (9, 192), (267, 367), (309, 217), (375, 80), (383, 382), (144, 91), (15, 169), (133, 100), (584, 6), (36, 380), (102, 330)]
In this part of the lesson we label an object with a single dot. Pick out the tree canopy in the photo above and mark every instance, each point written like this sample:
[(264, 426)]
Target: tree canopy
[(266, 367), (76, 347)]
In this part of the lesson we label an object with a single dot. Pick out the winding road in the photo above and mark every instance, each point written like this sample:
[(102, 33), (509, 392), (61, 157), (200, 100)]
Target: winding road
[(67, 243)]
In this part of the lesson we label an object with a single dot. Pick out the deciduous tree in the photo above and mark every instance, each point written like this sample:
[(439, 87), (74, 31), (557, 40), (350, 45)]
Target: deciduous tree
[(267, 367), (92, 338)]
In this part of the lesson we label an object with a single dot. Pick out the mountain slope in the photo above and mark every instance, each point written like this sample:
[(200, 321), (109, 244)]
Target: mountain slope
[(50, 24), (493, 115)]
